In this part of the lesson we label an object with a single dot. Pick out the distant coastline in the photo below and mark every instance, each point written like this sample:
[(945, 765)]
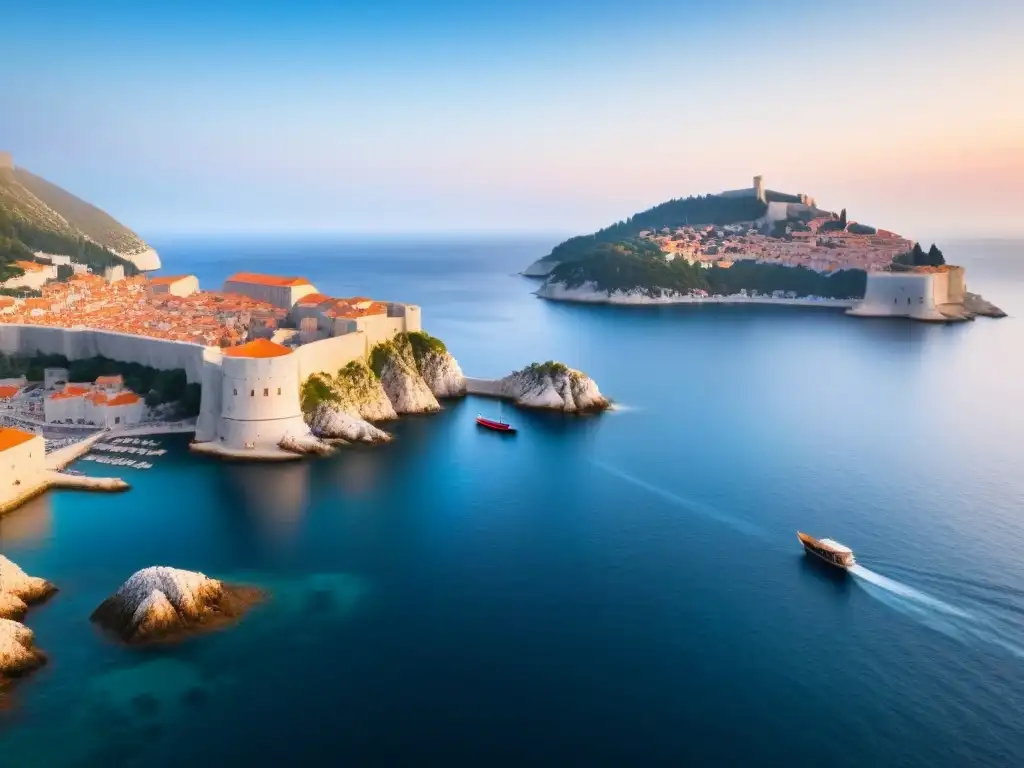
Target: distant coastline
[(588, 294)]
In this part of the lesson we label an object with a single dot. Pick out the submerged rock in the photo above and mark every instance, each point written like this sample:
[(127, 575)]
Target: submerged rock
[(329, 422), (394, 363), (160, 604), (18, 654), (18, 590), (554, 386)]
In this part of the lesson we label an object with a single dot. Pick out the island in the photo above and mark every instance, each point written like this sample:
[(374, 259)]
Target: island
[(160, 604), (760, 246)]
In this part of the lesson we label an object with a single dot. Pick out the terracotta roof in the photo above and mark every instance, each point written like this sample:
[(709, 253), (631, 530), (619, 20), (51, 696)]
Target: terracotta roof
[(96, 398), (312, 299), (125, 398), (274, 280), (168, 279), (6, 392), (65, 395), (10, 437), (258, 348), (116, 378), (30, 266)]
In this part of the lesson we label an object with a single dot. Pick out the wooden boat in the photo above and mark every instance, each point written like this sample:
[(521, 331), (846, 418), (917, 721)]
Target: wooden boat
[(832, 552), (498, 426)]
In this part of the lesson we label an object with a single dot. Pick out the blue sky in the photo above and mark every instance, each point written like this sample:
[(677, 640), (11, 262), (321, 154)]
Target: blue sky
[(452, 116)]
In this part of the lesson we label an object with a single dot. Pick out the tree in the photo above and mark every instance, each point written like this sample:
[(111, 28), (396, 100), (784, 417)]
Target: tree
[(842, 219), (918, 257), (935, 257)]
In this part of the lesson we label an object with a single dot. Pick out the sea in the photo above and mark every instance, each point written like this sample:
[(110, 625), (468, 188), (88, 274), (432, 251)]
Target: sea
[(622, 589)]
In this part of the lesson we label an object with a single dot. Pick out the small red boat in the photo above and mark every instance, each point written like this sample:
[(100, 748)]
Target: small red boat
[(497, 426)]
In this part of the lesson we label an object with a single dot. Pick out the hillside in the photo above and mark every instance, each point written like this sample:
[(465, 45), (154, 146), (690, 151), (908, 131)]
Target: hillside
[(703, 209), (36, 215)]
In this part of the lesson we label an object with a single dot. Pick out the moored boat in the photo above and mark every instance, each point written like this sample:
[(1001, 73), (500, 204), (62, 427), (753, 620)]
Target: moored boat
[(832, 552), (497, 426)]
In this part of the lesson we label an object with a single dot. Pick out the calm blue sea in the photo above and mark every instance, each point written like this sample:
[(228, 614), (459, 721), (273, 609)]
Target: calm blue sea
[(616, 590)]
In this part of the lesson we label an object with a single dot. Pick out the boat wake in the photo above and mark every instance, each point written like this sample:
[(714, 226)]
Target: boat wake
[(957, 623), (620, 408), (691, 505)]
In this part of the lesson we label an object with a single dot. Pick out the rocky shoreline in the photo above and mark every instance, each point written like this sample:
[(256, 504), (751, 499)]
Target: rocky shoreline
[(589, 294)]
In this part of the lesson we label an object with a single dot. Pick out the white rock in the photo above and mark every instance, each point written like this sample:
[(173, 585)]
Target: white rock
[(555, 387), (17, 651), (160, 601), (146, 259), (328, 421), (305, 444), (401, 379), (442, 374)]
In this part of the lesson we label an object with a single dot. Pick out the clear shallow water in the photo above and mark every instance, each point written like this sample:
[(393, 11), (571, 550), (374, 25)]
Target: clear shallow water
[(621, 589)]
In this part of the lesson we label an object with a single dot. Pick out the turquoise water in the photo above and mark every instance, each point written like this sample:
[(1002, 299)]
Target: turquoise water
[(622, 589)]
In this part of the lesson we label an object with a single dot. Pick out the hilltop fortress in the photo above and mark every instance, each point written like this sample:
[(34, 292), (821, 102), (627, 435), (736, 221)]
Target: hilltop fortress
[(250, 388)]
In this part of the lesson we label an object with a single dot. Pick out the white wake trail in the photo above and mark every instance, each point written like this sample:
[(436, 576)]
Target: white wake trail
[(691, 505), (937, 614)]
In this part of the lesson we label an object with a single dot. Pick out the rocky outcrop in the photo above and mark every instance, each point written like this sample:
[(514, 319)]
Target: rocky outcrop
[(309, 445), (160, 604), (553, 386), (439, 369), (355, 390), (394, 363), (328, 422), (18, 654), (18, 590), (979, 307)]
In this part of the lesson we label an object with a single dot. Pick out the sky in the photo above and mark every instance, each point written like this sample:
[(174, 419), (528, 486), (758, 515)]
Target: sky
[(562, 116)]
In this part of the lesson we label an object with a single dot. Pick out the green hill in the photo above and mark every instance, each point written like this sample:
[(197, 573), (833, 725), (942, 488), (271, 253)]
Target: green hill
[(36, 215)]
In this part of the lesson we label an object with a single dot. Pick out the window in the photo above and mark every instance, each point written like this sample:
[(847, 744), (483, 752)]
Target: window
[(266, 392), (279, 390), (252, 393), (235, 391)]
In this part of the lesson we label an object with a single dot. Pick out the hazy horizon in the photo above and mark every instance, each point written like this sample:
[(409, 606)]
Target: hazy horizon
[(394, 118)]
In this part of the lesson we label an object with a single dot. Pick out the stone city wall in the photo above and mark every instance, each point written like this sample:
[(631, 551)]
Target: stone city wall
[(82, 343)]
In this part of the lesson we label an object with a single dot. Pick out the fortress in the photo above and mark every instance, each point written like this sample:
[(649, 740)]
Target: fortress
[(922, 293), (250, 391)]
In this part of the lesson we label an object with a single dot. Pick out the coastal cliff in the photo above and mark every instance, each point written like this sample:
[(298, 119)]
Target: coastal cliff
[(439, 369), (394, 363), (162, 604)]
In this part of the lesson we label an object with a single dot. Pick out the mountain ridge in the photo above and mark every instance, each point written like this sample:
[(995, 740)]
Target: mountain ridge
[(38, 215)]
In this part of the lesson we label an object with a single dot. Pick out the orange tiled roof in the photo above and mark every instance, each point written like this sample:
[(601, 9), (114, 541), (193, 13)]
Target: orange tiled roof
[(125, 398), (6, 392), (65, 395), (312, 299), (30, 266), (116, 378), (71, 389), (258, 348), (96, 398), (274, 280), (10, 437)]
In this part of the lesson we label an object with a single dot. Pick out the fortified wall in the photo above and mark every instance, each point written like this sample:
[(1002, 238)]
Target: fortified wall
[(81, 343), (916, 294)]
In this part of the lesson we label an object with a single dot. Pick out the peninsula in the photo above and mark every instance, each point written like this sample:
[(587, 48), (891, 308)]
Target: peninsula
[(756, 245)]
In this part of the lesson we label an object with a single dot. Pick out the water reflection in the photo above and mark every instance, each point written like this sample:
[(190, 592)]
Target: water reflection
[(31, 523), (272, 496)]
